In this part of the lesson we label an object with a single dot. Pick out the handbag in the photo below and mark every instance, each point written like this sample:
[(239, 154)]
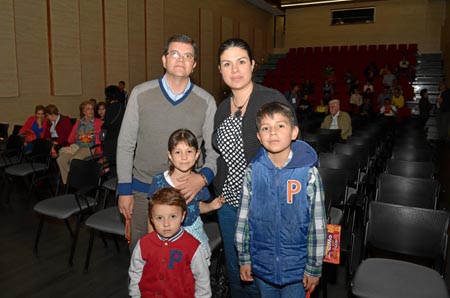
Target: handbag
[(103, 131)]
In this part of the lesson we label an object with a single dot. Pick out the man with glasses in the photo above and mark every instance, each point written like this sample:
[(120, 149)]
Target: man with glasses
[(155, 109)]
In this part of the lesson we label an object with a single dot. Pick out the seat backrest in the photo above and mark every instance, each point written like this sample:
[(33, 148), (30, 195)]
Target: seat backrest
[(360, 152), (4, 130), (364, 141), (414, 192), (15, 143), (412, 169), (16, 129), (84, 174), (42, 149), (343, 162), (410, 154), (334, 183), (334, 135), (407, 230)]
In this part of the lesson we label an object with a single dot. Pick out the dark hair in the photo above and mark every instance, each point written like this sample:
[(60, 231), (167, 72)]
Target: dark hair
[(423, 91), (122, 82), (234, 43), (51, 110), (112, 92), (39, 108), (181, 135), (167, 196), (102, 103), (271, 108), (183, 39)]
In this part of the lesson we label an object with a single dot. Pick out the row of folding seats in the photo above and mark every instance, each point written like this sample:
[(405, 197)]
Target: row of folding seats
[(403, 220)]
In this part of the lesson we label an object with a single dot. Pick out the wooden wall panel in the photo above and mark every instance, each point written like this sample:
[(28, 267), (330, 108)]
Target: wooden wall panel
[(207, 54), (155, 38), (8, 70), (259, 40), (116, 41), (64, 46), (244, 31), (136, 45), (32, 49), (226, 30), (91, 41)]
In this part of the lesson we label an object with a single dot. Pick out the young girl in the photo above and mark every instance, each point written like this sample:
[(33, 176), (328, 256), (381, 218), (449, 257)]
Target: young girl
[(183, 152)]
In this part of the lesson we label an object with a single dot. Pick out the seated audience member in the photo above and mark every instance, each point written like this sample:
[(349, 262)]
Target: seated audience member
[(35, 127), (397, 99), (307, 87), (387, 109), (322, 107), (112, 122), (327, 89), (293, 95), (424, 107), (366, 109), (60, 126), (368, 87), (100, 110), (304, 108), (355, 85), (388, 78), (36, 123), (356, 100), (403, 65), (384, 70), (349, 79), (383, 95), (84, 135), (327, 71), (338, 119), (371, 71)]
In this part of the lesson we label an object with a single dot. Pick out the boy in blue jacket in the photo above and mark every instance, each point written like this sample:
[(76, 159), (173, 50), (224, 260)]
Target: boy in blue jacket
[(281, 229)]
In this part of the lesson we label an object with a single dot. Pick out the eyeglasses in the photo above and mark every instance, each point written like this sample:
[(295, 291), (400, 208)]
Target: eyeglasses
[(177, 55)]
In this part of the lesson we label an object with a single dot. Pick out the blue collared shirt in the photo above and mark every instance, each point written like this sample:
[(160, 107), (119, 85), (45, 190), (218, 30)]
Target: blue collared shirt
[(170, 92)]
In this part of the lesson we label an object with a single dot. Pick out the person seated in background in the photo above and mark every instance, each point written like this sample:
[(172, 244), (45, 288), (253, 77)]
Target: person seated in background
[(322, 107), (371, 71), (388, 78), (35, 127), (327, 71), (307, 87), (403, 65), (349, 79), (60, 126), (366, 109), (387, 109), (115, 111), (304, 108), (383, 95), (397, 99), (84, 135), (327, 89), (100, 110), (338, 119), (356, 100), (293, 95), (384, 70), (368, 90)]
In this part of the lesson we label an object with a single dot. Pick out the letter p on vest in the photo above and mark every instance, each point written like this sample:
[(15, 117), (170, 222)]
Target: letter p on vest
[(293, 187)]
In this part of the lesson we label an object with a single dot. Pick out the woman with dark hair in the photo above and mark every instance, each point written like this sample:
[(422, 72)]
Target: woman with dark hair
[(115, 109), (35, 127), (424, 107), (235, 139), (100, 110)]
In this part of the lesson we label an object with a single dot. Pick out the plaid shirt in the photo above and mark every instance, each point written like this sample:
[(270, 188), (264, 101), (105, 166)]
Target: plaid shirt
[(317, 226)]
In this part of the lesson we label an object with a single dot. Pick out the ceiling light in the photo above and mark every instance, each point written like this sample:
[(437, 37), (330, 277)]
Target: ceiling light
[(313, 3)]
